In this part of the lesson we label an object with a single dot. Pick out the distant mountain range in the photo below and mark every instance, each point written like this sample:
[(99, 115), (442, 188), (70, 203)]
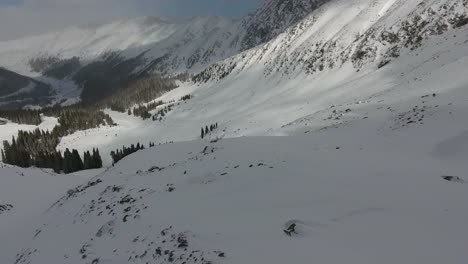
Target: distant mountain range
[(93, 62), (104, 57)]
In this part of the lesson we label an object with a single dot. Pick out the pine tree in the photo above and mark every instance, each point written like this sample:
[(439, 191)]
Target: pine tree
[(76, 161), (96, 158), (58, 162), (87, 160), (202, 133), (67, 161)]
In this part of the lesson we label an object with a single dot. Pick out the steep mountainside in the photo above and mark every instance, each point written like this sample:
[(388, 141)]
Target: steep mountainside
[(126, 50), (18, 91), (360, 33)]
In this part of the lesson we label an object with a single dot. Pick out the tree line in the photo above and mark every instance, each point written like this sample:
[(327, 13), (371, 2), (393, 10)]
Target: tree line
[(140, 92), (163, 111), (119, 154), (38, 148), (208, 130), (143, 111), (23, 117), (72, 120)]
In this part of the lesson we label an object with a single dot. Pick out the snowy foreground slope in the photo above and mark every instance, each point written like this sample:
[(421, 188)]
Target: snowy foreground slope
[(356, 198), (25, 194)]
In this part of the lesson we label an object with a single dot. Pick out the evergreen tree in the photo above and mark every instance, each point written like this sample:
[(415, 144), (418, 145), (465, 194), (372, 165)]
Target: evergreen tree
[(87, 160), (58, 162), (67, 161), (96, 158), (77, 163)]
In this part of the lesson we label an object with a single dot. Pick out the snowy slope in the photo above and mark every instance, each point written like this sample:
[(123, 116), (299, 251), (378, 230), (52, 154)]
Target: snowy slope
[(24, 195), (373, 200), (367, 103)]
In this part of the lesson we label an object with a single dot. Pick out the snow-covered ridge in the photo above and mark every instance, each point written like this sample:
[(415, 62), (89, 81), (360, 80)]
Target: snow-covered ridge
[(372, 32), (160, 46), (132, 37)]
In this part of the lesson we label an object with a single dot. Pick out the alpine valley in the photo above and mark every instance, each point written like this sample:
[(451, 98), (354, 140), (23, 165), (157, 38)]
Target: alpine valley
[(309, 131)]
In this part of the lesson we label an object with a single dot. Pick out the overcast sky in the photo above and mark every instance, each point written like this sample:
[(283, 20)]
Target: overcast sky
[(25, 17)]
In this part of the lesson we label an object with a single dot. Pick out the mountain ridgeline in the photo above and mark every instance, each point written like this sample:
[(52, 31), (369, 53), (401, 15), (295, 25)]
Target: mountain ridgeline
[(103, 60)]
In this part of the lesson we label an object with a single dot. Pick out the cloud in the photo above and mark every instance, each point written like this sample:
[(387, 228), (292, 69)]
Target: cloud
[(25, 17), (37, 16)]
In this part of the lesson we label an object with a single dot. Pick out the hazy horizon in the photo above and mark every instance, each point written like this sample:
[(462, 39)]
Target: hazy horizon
[(32, 17)]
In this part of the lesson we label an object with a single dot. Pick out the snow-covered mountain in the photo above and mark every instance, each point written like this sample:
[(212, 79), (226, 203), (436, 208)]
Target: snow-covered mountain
[(17, 90), (365, 103), (146, 45)]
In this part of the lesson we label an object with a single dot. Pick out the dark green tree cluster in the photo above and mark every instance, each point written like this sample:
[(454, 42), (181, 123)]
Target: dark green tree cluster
[(70, 118), (143, 110), (36, 141), (151, 144), (208, 130), (92, 161), (71, 121), (14, 155), (141, 91), (27, 117), (51, 160), (163, 111), (119, 154), (72, 161), (186, 97), (18, 153)]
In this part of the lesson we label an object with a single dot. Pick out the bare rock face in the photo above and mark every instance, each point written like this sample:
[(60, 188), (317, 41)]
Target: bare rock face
[(273, 18)]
